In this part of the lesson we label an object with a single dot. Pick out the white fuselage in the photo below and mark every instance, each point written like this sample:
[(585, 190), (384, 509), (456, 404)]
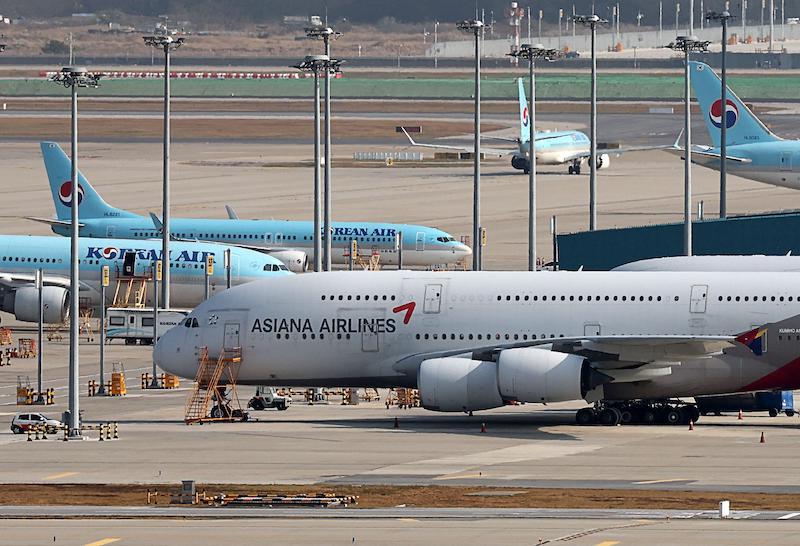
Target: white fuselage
[(354, 329)]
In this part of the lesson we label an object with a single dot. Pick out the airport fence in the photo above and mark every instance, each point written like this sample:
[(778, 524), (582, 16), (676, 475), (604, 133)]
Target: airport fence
[(550, 86)]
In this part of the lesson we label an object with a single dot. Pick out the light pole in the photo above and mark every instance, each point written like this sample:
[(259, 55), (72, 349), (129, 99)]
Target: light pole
[(326, 34), (317, 64), (532, 53), (541, 16), (592, 21), (436, 44), (723, 18), (168, 43), (475, 27), (687, 44), (74, 77), (660, 20), (677, 14)]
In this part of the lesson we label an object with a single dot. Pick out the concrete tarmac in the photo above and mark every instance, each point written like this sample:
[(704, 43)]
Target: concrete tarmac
[(400, 531)]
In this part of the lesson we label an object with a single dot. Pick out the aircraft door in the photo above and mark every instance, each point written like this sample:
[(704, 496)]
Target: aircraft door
[(420, 241), (231, 336), (269, 239), (129, 264), (591, 329), (698, 298), (111, 231), (786, 161), (433, 299), (279, 239)]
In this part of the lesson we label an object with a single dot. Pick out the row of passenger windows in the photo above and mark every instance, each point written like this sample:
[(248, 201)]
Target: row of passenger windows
[(582, 298), (508, 337), (33, 260), (277, 237), (444, 337), (358, 297), (757, 298)]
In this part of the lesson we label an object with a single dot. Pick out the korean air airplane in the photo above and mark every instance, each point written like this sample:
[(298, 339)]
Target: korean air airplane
[(552, 147), (289, 241), (754, 151), (631, 342), (21, 256)]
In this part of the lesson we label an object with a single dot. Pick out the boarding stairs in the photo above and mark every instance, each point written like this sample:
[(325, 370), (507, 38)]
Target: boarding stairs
[(215, 382), (130, 292)]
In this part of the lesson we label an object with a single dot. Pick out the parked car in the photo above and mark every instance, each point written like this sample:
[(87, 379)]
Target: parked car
[(24, 421), (268, 397)]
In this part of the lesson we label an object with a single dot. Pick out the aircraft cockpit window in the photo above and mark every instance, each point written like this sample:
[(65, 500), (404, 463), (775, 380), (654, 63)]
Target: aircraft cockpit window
[(187, 322), (283, 267), (195, 323)]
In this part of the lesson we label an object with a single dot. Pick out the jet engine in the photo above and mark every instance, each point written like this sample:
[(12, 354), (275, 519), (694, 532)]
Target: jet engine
[(24, 304), (519, 162), (295, 260), (603, 161), (522, 375)]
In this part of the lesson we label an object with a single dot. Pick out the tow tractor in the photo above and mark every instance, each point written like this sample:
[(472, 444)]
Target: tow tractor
[(268, 397)]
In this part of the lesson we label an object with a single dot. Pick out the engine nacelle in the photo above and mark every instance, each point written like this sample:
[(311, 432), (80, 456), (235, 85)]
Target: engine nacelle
[(521, 375), (519, 162), (24, 304), (538, 375), (603, 161), (458, 384), (295, 260)]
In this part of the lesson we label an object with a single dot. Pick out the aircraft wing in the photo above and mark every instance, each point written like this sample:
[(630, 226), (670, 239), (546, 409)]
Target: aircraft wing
[(708, 155), (12, 281), (626, 358), (485, 151), (52, 221), (616, 151)]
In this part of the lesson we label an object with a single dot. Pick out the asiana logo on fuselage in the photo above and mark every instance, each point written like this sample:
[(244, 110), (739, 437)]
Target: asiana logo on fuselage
[(151, 255), (325, 326)]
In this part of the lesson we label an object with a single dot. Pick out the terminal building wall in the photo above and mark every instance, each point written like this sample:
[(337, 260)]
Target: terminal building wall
[(601, 250)]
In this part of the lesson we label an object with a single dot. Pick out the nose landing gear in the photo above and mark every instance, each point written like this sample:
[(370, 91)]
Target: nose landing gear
[(575, 167)]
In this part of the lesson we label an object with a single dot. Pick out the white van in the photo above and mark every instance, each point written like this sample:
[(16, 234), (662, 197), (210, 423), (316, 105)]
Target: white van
[(136, 323)]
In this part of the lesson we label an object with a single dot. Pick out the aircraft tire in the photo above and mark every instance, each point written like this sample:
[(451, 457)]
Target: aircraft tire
[(576, 169), (673, 416), (571, 169), (694, 413), (610, 417), (626, 416), (585, 416), (648, 417)]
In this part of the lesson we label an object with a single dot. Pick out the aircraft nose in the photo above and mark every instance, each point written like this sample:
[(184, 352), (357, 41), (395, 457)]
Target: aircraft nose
[(173, 355), (464, 249)]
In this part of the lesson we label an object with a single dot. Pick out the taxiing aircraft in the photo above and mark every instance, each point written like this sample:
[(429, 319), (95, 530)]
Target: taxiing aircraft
[(753, 151), (478, 340), (551, 147), (21, 256), (289, 241)]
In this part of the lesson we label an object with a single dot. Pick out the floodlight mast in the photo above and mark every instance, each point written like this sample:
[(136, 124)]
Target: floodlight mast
[(723, 18), (592, 21), (317, 64), (475, 27), (687, 44), (168, 43), (73, 77), (326, 34), (532, 53)]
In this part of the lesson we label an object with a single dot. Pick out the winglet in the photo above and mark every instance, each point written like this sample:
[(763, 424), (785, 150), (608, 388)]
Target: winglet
[(677, 145), (156, 222), (411, 140), (231, 213)]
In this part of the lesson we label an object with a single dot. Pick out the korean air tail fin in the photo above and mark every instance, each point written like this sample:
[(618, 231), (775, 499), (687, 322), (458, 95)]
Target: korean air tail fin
[(743, 127), (524, 119), (59, 170)]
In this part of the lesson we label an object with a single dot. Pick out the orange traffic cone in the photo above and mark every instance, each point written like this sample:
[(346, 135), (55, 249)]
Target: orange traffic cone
[(691, 425), (763, 441), (396, 423), (483, 427), (741, 416)]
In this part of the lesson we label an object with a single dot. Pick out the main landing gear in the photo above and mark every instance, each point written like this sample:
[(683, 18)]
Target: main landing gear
[(575, 168), (662, 412)]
